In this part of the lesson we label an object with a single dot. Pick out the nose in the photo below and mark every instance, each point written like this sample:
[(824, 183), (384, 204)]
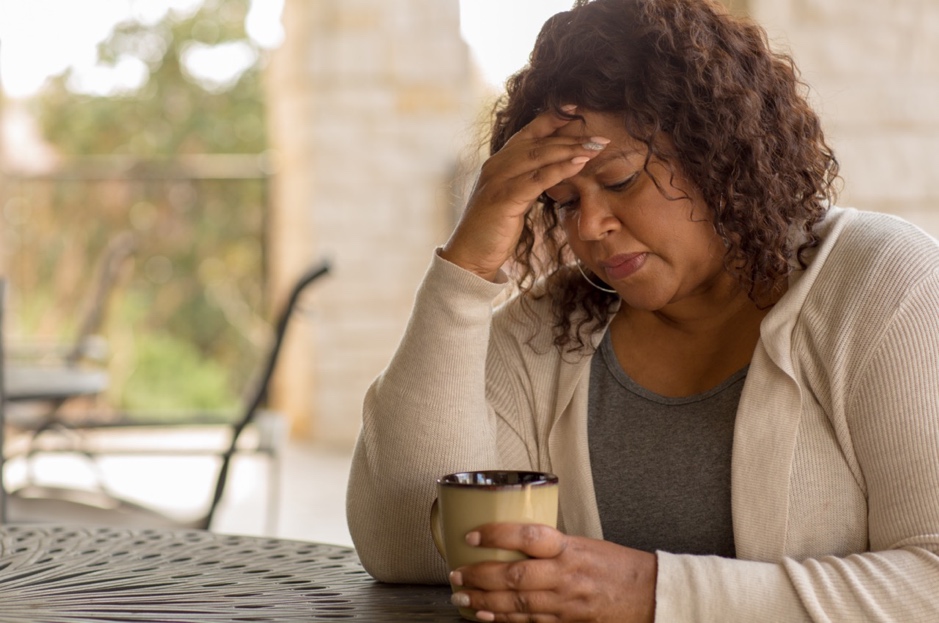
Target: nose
[(595, 219)]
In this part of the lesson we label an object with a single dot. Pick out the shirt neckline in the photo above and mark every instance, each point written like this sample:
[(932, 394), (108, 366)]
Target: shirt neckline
[(616, 370)]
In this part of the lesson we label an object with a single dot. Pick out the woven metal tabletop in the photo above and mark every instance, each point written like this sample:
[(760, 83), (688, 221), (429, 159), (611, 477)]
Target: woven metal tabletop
[(60, 574)]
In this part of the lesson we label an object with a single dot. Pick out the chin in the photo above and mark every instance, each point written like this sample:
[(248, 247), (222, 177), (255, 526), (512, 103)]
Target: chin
[(650, 302)]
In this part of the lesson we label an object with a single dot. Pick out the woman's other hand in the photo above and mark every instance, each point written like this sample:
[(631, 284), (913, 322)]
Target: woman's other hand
[(567, 578), (510, 181)]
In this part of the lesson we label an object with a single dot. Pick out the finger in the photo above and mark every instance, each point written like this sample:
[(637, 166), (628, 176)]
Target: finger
[(510, 606), (517, 618), (545, 124), (535, 540), (528, 156), (534, 574), (526, 187)]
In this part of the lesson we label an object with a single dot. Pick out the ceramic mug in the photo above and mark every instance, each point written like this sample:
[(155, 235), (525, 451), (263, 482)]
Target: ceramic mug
[(467, 500)]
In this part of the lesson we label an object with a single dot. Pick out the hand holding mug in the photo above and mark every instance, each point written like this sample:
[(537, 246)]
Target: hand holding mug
[(564, 578), (467, 500)]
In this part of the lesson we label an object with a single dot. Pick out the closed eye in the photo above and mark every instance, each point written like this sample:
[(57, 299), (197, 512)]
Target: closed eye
[(619, 186), (570, 203), (566, 205), (558, 204)]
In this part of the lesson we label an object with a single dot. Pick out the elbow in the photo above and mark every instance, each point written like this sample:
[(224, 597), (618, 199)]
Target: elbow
[(398, 564), (385, 567), (382, 568)]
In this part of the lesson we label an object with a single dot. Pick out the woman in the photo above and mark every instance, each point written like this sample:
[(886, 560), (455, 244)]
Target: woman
[(737, 384)]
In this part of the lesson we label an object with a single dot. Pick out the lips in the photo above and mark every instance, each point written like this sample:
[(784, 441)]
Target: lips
[(622, 266)]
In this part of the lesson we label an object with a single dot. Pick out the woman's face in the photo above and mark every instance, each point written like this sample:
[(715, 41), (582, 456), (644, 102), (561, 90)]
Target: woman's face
[(648, 234)]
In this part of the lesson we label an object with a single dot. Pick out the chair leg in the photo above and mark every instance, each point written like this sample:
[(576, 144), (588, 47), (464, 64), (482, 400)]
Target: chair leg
[(273, 494)]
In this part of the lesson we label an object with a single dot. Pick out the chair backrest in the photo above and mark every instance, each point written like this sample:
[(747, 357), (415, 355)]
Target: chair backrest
[(256, 397), (107, 274)]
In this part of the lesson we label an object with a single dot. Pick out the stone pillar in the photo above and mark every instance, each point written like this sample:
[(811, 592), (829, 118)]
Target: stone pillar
[(3, 189), (874, 70), (369, 103)]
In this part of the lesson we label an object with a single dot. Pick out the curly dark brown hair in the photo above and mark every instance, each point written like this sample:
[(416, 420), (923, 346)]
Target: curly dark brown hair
[(738, 125)]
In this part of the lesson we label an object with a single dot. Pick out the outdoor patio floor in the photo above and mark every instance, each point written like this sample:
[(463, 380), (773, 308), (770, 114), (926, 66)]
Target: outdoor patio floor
[(312, 498), (310, 505)]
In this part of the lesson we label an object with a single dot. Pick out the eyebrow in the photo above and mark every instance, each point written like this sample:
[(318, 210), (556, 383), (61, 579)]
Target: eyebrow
[(598, 163), (606, 157)]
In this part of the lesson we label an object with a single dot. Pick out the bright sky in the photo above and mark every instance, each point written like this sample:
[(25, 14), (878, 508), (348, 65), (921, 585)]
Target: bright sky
[(39, 38), (501, 33)]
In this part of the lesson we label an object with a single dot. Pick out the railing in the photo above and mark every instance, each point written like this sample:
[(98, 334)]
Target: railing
[(201, 222)]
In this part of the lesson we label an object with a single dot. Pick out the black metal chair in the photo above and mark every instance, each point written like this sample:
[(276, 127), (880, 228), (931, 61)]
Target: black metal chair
[(37, 503)]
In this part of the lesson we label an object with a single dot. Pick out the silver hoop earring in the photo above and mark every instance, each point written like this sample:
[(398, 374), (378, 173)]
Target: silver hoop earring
[(591, 282)]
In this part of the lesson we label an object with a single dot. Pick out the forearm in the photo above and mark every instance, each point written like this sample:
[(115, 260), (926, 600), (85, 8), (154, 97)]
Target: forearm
[(426, 415), (710, 588), (893, 585)]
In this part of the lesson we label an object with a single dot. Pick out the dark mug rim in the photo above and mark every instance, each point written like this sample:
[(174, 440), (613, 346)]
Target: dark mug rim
[(503, 477)]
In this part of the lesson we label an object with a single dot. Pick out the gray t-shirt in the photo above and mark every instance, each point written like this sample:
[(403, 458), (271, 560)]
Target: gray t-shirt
[(661, 466)]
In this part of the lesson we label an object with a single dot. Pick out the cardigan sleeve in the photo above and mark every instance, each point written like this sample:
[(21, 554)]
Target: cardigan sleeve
[(426, 415), (893, 418)]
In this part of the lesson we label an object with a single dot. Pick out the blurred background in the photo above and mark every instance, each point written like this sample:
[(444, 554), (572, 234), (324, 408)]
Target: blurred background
[(201, 154)]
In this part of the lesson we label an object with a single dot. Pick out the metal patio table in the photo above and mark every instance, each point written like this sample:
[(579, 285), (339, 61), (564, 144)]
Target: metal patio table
[(71, 574), (52, 383)]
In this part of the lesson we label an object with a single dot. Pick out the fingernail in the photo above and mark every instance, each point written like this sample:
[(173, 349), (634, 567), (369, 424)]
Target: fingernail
[(569, 108), (485, 615), (460, 600), (473, 538), (596, 143), (456, 578), (579, 160)]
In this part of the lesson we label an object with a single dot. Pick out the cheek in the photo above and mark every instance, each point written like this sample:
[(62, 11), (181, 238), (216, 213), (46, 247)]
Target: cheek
[(703, 253), (568, 224)]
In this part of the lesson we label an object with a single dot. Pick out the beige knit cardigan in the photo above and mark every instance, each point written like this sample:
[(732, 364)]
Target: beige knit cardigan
[(835, 467)]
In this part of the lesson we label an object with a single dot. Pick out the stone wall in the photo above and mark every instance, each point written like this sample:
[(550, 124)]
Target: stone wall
[(370, 105), (874, 71)]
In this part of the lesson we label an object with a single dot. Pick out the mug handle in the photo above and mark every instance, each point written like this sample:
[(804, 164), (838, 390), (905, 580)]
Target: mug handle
[(435, 528)]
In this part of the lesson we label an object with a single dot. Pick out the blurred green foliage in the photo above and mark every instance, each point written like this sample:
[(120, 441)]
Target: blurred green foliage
[(184, 327), (157, 388), (172, 112)]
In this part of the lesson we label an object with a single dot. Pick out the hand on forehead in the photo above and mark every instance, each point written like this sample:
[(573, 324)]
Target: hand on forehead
[(591, 124)]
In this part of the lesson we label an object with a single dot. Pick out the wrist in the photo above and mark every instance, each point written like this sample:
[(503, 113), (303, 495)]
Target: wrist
[(489, 274)]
